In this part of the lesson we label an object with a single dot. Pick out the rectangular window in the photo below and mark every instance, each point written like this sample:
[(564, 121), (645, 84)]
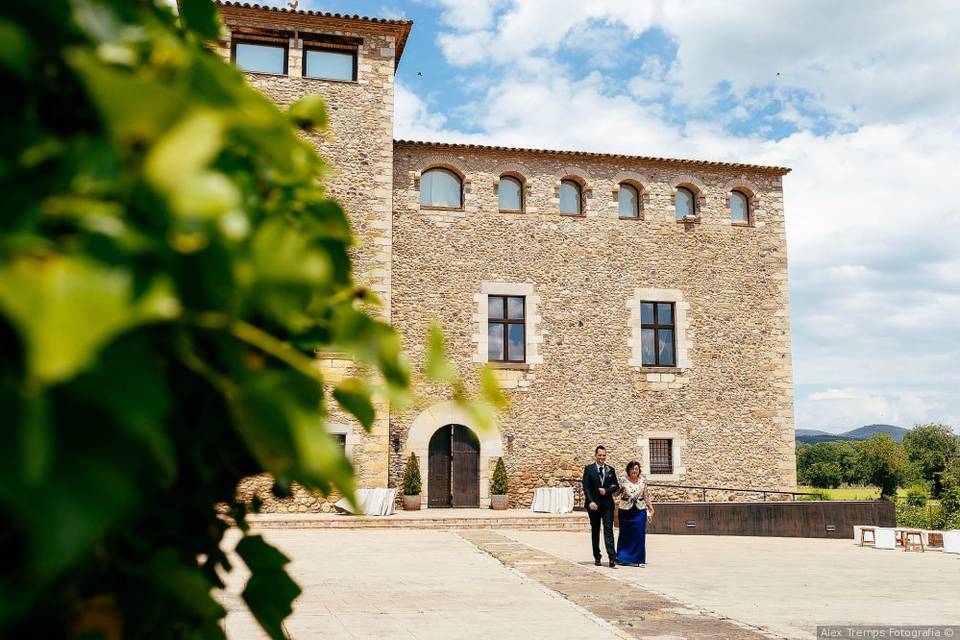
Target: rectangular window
[(330, 64), (341, 440), (657, 330), (506, 329), (661, 455), (260, 57)]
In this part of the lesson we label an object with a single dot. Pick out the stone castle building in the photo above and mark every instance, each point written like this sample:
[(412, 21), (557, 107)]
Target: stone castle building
[(633, 301)]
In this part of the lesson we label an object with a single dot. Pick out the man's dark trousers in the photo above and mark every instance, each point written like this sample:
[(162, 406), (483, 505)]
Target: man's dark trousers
[(606, 517)]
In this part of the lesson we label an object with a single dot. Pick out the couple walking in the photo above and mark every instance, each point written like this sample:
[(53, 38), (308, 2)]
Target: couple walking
[(602, 494)]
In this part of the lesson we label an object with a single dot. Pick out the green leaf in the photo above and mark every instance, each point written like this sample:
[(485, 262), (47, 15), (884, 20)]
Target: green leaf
[(309, 112), (438, 366), (184, 583), (36, 447), (67, 308), (133, 106), (138, 399), (490, 390), (185, 149), (200, 16), (15, 49), (270, 592), (354, 396), (280, 416)]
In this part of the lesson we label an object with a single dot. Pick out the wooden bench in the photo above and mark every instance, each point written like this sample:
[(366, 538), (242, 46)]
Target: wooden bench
[(872, 531), (912, 540)]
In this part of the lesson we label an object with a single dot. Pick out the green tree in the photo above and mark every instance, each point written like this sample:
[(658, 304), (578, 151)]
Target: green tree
[(824, 475), (498, 483), (929, 447), (412, 483), (168, 263), (884, 464)]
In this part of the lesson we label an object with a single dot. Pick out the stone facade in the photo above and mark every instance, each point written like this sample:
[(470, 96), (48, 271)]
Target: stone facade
[(727, 405)]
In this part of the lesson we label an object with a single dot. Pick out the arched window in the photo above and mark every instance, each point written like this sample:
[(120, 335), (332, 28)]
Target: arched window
[(686, 206), (571, 198), (739, 208), (629, 201), (441, 188), (511, 194)]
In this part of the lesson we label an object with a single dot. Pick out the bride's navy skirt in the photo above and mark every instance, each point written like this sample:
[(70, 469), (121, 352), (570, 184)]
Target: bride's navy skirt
[(631, 545)]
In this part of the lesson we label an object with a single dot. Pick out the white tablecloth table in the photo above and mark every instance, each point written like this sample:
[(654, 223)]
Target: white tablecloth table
[(553, 499), (372, 502), (951, 541)]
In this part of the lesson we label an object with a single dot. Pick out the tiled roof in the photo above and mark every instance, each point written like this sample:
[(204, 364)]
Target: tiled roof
[(590, 154), (404, 25)]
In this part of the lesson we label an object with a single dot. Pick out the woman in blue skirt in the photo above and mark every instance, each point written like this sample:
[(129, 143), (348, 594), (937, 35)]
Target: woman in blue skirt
[(635, 508)]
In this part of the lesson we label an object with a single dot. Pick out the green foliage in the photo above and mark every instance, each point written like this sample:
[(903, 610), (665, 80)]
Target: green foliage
[(920, 517), (169, 262), (929, 447), (824, 475), (884, 464), (412, 483), (832, 458), (917, 495), (498, 483)]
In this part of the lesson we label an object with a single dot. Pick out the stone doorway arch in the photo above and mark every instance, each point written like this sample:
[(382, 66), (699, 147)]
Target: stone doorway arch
[(453, 468), (445, 414)]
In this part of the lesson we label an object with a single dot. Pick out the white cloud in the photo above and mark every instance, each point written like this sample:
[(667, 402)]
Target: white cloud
[(873, 223)]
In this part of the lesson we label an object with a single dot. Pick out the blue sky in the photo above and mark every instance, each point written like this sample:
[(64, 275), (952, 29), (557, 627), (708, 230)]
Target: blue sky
[(860, 98)]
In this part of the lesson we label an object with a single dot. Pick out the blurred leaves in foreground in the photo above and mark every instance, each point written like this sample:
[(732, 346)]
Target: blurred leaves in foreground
[(168, 264)]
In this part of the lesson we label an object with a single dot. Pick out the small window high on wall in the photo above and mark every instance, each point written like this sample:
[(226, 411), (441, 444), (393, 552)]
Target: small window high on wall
[(685, 204), (330, 64), (441, 188), (628, 198), (661, 456), (739, 208), (571, 198), (260, 57), (510, 193)]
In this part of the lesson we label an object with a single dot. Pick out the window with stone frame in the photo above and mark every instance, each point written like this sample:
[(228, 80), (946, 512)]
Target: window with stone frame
[(341, 440), (628, 201), (330, 63), (685, 204), (510, 194), (739, 208), (571, 198), (661, 456), (261, 56), (506, 329), (441, 189), (658, 334)]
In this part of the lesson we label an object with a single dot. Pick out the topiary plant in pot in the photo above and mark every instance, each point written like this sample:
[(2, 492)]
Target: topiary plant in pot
[(412, 484), (498, 487)]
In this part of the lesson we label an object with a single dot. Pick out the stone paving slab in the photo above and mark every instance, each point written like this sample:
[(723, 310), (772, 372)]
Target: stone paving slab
[(632, 610), (785, 585), (409, 585)]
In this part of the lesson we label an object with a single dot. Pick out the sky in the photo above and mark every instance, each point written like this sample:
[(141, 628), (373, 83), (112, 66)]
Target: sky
[(861, 98)]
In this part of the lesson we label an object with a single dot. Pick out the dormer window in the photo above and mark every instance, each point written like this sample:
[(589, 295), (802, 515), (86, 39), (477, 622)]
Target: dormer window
[(260, 57), (330, 64)]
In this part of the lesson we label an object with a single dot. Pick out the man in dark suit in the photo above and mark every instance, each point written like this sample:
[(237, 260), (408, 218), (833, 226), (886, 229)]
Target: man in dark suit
[(599, 485)]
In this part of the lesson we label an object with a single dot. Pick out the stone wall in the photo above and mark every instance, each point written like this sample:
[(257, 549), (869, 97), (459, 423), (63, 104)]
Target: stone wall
[(359, 146), (729, 405)]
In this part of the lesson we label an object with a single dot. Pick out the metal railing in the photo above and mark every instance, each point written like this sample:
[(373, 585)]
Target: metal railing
[(577, 485)]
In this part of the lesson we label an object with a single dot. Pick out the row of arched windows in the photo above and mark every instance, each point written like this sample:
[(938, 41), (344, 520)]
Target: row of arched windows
[(442, 188)]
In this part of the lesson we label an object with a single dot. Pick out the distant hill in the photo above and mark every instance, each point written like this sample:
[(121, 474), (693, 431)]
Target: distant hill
[(813, 436)]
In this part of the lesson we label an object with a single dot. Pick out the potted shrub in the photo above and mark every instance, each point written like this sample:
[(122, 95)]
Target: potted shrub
[(498, 487), (411, 484)]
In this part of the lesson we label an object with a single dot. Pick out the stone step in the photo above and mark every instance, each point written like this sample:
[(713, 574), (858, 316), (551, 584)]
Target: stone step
[(574, 523)]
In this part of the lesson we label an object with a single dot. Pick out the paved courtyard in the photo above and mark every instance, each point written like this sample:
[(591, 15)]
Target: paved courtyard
[(402, 583)]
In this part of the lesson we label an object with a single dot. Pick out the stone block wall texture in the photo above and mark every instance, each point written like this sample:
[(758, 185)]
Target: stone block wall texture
[(728, 406), (733, 410), (359, 147)]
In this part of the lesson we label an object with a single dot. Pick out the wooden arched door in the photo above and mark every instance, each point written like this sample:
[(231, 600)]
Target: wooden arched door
[(453, 468)]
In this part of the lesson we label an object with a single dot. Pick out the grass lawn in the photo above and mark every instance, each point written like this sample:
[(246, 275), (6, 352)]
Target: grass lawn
[(847, 493)]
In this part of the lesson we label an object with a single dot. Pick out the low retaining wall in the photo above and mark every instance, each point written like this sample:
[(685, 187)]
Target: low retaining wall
[(801, 519)]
